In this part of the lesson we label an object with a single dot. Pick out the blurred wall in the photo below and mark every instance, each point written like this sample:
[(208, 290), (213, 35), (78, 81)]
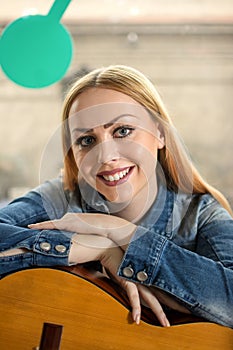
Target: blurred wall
[(192, 67)]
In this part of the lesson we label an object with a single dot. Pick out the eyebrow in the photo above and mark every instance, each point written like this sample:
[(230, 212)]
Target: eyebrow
[(106, 126)]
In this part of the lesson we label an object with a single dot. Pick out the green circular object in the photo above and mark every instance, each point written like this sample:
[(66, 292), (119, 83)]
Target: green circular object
[(35, 51)]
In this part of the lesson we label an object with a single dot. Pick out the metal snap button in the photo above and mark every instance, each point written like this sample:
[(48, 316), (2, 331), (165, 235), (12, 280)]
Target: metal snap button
[(45, 246), (60, 248), (128, 271), (142, 276)]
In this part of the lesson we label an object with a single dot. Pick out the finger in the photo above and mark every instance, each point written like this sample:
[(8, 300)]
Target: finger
[(45, 225), (134, 299), (154, 304)]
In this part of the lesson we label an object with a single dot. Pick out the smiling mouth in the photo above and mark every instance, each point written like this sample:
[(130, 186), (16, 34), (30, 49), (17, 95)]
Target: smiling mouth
[(116, 177)]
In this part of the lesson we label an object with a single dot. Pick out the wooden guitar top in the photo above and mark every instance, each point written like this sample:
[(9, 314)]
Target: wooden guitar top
[(92, 318)]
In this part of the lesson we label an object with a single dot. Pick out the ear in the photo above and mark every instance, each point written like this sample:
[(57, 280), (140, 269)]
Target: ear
[(160, 136)]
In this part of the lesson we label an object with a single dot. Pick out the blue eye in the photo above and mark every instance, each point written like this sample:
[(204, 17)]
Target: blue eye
[(85, 141), (123, 131)]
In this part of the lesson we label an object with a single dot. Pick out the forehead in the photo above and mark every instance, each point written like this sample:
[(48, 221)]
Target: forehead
[(98, 95), (99, 106), (110, 113)]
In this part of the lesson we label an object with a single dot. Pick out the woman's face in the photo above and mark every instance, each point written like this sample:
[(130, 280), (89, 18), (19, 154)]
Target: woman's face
[(114, 142)]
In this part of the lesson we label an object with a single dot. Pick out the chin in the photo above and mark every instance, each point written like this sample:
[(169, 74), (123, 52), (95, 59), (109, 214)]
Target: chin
[(119, 197)]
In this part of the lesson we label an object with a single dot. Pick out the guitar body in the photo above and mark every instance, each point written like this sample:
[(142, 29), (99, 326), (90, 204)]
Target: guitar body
[(91, 317)]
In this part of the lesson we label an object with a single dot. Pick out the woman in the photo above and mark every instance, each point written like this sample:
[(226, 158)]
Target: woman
[(131, 199)]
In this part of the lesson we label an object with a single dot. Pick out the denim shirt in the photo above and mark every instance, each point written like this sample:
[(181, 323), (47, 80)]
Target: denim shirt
[(183, 245)]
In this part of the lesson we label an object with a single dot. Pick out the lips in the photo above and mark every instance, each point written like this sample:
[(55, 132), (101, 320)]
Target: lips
[(116, 176)]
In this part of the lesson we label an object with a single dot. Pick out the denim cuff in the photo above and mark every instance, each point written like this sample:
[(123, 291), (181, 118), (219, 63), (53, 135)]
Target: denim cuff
[(51, 248), (142, 256)]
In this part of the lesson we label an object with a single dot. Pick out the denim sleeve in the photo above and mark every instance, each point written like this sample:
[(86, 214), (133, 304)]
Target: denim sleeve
[(201, 280), (45, 248)]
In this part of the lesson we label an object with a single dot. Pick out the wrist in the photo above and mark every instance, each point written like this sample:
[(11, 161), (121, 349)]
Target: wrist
[(85, 248), (120, 231)]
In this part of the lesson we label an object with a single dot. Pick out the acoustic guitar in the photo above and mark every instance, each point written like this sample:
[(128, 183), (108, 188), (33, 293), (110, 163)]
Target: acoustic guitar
[(94, 313)]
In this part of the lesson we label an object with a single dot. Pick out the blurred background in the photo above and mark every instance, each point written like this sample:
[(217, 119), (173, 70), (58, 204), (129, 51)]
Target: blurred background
[(184, 46)]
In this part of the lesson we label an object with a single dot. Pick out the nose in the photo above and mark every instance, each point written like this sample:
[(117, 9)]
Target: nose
[(107, 151)]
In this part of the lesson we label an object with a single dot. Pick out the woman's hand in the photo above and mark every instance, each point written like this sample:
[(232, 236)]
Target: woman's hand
[(137, 293), (99, 237), (88, 247), (118, 230)]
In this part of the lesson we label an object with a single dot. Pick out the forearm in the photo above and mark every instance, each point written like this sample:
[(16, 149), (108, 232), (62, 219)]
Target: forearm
[(86, 248), (112, 227), (168, 300), (22, 247), (201, 285)]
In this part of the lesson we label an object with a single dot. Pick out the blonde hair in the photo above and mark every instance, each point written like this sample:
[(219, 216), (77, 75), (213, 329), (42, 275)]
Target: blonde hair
[(179, 171)]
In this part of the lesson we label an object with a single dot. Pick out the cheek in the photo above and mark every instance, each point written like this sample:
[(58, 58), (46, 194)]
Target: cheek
[(146, 158), (141, 153), (151, 143), (87, 163), (82, 165), (77, 156)]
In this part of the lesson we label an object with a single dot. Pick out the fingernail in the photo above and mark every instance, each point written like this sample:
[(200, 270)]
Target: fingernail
[(166, 323), (137, 319), (32, 225)]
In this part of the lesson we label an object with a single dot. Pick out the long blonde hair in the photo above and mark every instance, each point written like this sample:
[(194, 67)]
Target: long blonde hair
[(179, 171)]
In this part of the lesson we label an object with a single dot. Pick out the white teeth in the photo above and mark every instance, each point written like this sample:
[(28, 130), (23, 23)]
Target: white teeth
[(116, 176)]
